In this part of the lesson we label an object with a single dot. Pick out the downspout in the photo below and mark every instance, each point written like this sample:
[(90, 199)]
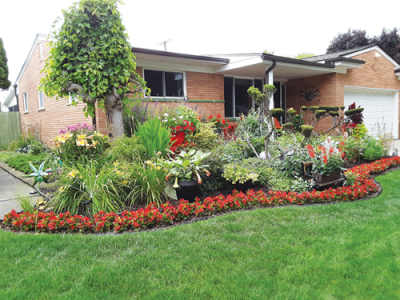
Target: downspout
[(15, 86), (269, 70)]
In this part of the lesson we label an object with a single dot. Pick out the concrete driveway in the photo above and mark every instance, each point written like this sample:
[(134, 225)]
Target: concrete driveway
[(9, 187)]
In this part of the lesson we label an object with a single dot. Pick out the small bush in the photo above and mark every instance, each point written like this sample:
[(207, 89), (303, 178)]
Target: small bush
[(128, 149), (13, 146), (373, 150), (206, 138), (36, 147), (21, 162)]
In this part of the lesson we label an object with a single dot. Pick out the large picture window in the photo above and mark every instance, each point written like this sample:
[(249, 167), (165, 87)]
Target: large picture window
[(164, 84)]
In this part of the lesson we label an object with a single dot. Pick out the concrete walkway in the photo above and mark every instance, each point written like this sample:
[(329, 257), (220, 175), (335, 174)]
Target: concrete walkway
[(9, 187)]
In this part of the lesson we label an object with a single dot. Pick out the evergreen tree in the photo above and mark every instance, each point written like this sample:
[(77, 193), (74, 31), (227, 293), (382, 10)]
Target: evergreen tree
[(4, 82)]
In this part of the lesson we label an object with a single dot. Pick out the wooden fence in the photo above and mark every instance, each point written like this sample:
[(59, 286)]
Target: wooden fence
[(9, 127)]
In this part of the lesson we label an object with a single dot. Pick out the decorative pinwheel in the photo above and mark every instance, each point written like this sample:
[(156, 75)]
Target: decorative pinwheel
[(39, 175)]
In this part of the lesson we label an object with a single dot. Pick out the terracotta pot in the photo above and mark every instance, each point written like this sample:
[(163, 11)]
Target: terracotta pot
[(178, 137), (188, 190), (325, 178), (243, 187)]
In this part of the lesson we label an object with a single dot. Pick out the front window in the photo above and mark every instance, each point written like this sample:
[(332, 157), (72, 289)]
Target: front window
[(164, 84)]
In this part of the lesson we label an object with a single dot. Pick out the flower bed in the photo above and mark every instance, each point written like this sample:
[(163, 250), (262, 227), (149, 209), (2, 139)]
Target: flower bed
[(167, 214)]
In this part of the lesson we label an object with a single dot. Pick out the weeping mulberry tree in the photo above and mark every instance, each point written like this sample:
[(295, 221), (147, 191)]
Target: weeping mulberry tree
[(4, 82), (91, 58)]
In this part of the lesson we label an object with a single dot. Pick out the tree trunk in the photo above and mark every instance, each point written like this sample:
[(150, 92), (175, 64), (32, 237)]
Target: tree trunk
[(117, 124), (113, 106)]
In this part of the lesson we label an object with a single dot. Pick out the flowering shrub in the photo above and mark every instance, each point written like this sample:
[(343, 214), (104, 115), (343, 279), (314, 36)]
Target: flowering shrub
[(218, 121), (153, 216), (80, 140), (327, 158), (182, 118)]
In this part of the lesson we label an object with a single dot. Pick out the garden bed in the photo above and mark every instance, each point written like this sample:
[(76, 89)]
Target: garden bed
[(153, 217)]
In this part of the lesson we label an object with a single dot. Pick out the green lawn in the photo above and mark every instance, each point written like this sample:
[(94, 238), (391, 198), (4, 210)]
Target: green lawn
[(340, 251)]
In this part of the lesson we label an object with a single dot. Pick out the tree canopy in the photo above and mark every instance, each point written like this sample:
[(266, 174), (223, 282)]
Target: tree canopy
[(4, 82), (389, 41), (91, 57)]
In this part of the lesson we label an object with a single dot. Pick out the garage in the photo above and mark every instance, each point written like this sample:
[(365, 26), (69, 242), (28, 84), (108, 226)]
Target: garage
[(380, 106)]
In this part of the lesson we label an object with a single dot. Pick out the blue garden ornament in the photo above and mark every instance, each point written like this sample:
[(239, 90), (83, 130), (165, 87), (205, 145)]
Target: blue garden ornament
[(39, 175)]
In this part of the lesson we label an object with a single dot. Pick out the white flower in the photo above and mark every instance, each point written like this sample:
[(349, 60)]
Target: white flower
[(165, 115), (164, 120), (180, 117), (173, 119), (159, 117)]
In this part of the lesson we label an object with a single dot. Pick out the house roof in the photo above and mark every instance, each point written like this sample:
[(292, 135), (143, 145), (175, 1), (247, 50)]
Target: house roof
[(337, 55), (39, 37), (180, 55)]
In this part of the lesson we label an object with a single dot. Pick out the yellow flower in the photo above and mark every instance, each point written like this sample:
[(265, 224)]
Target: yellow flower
[(61, 189), (81, 142), (73, 173), (125, 182), (81, 137)]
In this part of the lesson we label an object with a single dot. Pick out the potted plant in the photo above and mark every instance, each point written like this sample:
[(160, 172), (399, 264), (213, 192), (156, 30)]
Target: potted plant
[(185, 171), (242, 178), (327, 161)]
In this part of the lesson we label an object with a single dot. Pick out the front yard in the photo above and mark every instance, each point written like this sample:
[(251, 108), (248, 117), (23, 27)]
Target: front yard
[(338, 251)]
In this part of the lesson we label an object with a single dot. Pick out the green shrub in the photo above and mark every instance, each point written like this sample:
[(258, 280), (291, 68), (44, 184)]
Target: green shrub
[(21, 162), (261, 167), (360, 131), (236, 173), (36, 147), (128, 149), (134, 114), (252, 125), (13, 146), (206, 138), (154, 137), (373, 150)]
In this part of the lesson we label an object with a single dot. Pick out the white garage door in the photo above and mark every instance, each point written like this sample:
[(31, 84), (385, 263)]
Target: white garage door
[(379, 107)]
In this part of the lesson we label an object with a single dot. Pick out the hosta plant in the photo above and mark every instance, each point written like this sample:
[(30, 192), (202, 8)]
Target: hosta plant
[(186, 166)]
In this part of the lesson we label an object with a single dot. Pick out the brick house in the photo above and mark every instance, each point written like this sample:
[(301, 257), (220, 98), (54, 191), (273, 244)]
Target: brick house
[(217, 84)]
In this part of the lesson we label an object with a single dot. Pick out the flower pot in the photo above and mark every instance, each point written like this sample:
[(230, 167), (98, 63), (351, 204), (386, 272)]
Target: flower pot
[(243, 187), (188, 190), (326, 178), (178, 137)]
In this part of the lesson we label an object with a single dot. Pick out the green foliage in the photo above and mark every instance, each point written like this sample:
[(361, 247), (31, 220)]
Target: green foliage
[(91, 49), (320, 113), (304, 108), (128, 149), (155, 138), (134, 113), (304, 55), (36, 147), (291, 111), (85, 190), (277, 112), (81, 144), (13, 146), (360, 131), (373, 149), (354, 111), (333, 113), (236, 173), (213, 182), (256, 95), (329, 108), (261, 167), (206, 137), (185, 166), (21, 162), (4, 82), (25, 202), (251, 125), (288, 126), (23, 142), (147, 182), (313, 108), (234, 150), (307, 130)]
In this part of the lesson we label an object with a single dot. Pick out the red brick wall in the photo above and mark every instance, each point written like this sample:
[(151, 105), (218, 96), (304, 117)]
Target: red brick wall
[(377, 72), (46, 123)]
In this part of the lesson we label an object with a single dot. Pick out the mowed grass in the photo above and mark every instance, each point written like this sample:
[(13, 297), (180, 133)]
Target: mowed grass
[(338, 251)]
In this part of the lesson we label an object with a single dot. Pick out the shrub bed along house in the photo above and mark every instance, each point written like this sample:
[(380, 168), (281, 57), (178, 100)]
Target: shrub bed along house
[(154, 216)]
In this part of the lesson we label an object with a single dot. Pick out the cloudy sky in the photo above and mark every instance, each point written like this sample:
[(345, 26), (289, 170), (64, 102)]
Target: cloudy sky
[(209, 26)]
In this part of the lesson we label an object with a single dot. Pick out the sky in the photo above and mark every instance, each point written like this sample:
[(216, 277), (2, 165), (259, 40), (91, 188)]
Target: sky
[(209, 26)]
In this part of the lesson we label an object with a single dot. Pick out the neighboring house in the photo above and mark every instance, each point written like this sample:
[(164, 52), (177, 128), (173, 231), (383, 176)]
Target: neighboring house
[(217, 84), (10, 103)]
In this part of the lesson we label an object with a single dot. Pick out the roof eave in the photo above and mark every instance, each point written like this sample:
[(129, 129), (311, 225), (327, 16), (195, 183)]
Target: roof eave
[(295, 61), (180, 55)]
